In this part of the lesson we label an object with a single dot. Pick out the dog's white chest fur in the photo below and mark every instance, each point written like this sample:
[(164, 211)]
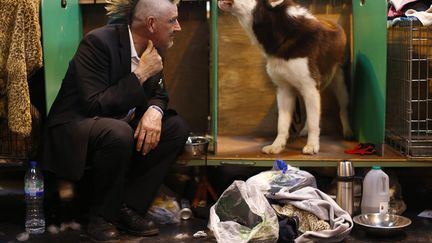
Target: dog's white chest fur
[(295, 69)]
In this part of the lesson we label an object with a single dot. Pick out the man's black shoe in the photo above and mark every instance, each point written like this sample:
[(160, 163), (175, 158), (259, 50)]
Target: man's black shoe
[(100, 230), (134, 223)]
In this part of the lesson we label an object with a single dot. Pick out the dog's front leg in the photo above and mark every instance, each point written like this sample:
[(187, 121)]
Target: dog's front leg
[(285, 102), (312, 100)]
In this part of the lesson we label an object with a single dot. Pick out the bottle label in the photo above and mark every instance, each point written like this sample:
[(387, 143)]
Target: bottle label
[(34, 189), (383, 207)]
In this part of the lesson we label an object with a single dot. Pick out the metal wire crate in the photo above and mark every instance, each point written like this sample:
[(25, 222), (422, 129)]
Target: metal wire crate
[(409, 88)]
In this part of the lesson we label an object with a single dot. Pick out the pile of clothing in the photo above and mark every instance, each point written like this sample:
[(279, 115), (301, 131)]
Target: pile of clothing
[(418, 9), (281, 205)]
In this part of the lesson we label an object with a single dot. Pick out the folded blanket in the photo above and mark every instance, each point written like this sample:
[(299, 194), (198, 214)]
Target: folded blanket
[(399, 4), (424, 16), (20, 56), (324, 207)]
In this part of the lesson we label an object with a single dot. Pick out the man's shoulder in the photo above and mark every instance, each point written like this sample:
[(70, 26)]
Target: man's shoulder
[(107, 32)]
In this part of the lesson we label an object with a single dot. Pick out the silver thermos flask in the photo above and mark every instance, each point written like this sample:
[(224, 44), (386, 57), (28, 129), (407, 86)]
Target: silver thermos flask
[(345, 186)]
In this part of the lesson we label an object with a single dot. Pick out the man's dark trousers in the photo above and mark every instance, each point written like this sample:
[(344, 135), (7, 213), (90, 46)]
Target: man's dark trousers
[(120, 174)]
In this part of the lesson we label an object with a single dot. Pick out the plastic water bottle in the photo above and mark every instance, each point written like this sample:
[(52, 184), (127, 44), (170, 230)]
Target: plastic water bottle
[(375, 198), (34, 193)]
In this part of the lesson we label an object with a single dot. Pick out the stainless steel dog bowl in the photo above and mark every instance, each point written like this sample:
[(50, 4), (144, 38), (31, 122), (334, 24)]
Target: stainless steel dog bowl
[(382, 224), (196, 146)]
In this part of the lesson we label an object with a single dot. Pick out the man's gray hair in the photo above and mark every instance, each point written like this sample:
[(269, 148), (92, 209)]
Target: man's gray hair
[(123, 11)]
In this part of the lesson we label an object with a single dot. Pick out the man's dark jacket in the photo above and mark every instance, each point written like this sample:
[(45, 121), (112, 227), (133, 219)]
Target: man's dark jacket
[(98, 83)]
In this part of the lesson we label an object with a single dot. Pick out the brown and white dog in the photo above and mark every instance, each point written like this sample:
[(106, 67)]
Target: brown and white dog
[(304, 55)]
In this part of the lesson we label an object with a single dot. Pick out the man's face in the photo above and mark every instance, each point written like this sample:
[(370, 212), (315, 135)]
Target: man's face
[(165, 27)]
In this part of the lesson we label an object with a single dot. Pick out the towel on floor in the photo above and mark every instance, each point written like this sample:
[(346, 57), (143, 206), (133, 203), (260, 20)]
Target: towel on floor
[(20, 56)]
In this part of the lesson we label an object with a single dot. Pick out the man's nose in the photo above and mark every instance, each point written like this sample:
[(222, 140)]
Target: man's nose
[(177, 26)]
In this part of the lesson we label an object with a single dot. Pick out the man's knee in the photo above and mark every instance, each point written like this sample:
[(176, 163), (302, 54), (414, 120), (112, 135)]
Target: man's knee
[(115, 133), (123, 134), (180, 129)]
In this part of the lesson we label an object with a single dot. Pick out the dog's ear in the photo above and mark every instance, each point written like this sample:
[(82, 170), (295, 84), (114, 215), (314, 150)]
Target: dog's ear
[(274, 3)]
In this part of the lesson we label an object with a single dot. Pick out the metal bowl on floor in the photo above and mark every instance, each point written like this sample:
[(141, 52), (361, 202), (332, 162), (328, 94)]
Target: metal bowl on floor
[(196, 146), (382, 224)]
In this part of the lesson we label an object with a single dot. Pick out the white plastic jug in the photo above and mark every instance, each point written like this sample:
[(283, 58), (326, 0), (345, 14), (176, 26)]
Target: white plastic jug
[(375, 198)]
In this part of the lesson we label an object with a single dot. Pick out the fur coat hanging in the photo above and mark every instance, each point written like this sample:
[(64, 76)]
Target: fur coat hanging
[(20, 56)]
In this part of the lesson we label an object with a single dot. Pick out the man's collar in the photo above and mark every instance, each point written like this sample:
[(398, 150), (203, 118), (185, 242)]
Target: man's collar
[(134, 53)]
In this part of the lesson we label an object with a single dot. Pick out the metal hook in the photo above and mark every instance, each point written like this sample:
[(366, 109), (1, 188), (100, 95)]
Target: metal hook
[(63, 3), (362, 2)]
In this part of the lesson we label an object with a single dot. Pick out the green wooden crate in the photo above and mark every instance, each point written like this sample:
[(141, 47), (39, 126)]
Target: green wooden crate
[(369, 69), (61, 34)]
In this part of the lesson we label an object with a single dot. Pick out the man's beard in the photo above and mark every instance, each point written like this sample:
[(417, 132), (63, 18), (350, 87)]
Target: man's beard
[(170, 44)]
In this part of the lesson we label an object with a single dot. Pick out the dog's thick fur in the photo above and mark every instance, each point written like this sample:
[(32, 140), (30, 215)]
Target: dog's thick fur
[(304, 55)]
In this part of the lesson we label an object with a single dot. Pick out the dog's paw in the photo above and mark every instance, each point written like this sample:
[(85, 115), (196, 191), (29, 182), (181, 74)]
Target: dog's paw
[(272, 149), (311, 149)]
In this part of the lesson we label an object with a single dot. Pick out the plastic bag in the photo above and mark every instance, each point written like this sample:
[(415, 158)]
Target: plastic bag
[(164, 210), (242, 214), (282, 176)]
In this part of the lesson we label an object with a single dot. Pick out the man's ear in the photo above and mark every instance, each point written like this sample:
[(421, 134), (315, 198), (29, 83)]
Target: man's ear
[(150, 24), (275, 3)]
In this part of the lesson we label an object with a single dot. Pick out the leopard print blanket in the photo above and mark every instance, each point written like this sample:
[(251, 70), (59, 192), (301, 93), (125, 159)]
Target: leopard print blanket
[(20, 56)]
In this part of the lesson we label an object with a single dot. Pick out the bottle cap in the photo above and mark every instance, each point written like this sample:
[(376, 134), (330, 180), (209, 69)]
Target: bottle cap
[(280, 165), (345, 168), (33, 163), (376, 167)]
